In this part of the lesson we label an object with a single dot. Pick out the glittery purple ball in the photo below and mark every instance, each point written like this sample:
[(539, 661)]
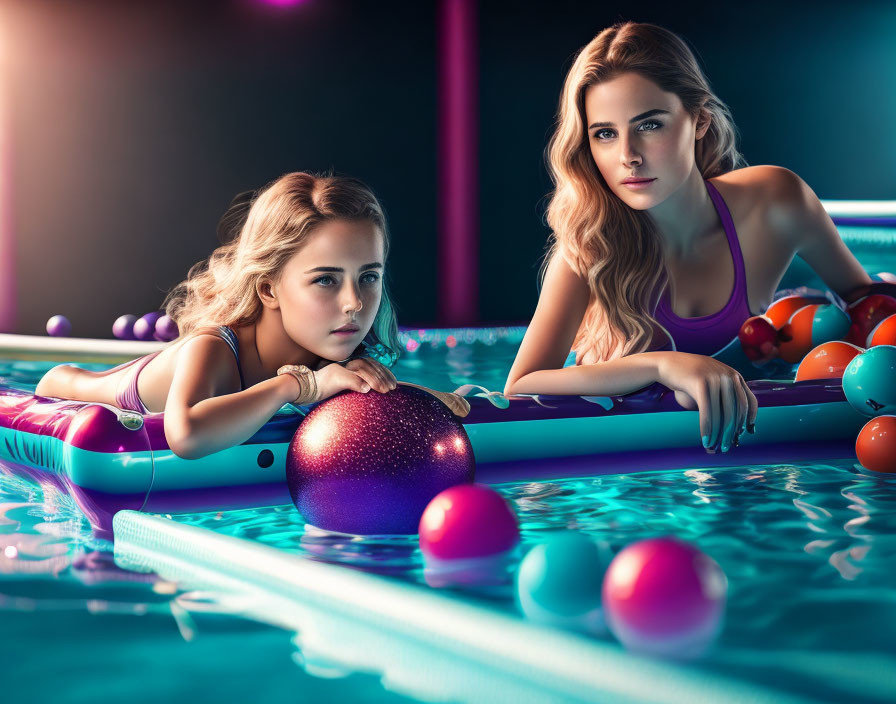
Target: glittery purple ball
[(123, 327), (370, 463), (145, 327)]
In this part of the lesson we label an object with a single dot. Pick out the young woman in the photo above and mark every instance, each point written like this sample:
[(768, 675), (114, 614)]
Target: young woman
[(663, 245), (280, 314)]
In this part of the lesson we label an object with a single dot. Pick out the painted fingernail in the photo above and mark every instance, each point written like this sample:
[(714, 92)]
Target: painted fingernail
[(724, 448), (751, 427), (706, 441)]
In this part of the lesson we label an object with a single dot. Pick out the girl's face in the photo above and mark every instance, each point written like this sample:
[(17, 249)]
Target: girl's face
[(635, 129), (329, 291)]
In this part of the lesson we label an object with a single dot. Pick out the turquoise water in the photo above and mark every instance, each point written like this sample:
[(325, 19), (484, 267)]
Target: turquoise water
[(807, 549)]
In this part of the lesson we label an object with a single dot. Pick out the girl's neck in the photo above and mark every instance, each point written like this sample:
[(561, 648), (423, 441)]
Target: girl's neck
[(686, 217), (269, 346)]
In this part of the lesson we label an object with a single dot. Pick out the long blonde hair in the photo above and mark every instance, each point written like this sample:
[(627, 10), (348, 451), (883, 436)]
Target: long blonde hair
[(276, 223), (615, 247)]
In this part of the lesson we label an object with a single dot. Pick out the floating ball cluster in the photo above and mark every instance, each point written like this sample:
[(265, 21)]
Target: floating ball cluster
[(401, 462), (857, 345), (152, 326)]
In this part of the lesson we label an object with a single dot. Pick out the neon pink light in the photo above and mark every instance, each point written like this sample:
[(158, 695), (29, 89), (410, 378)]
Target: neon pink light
[(458, 163)]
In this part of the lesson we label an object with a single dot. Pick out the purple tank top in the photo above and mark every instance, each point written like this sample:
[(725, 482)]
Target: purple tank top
[(707, 334)]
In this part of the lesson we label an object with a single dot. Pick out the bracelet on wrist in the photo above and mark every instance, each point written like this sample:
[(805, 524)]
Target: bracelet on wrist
[(307, 382)]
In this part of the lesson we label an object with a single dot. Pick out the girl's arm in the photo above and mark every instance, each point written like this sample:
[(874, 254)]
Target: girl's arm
[(795, 212), (204, 415)]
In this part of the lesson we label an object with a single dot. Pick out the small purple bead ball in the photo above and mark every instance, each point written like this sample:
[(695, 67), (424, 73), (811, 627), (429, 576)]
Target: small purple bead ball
[(145, 327), (123, 327), (370, 463), (166, 329), (59, 326)]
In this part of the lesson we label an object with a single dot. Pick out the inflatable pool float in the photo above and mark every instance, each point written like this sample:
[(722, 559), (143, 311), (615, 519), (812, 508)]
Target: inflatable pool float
[(108, 459)]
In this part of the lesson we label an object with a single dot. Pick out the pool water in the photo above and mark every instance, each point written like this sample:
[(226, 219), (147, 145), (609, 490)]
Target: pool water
[(808, 551)]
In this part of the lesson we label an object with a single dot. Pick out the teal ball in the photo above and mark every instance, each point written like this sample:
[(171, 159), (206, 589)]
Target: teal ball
[(869, 381), (559, 582), (829, 323)]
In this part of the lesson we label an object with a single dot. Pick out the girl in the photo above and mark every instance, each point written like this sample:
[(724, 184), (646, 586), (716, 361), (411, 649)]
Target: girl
[(663, 245), (281, 314)]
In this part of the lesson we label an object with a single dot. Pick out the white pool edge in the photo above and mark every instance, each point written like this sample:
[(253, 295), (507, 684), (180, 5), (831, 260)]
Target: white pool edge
[(569, 666)]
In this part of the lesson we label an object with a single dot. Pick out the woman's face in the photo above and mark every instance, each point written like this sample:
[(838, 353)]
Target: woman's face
[(637, 130), (329, 291)]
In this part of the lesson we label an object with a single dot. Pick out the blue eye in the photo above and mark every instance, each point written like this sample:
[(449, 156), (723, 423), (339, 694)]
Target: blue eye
[(371, 277), (606, 133), (324, 280)]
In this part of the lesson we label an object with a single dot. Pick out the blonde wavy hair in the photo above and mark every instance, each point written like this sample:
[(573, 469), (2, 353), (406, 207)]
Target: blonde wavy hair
[(272, 226), (613, 246)]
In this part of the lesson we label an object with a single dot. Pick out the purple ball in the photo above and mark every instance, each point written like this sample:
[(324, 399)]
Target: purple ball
[(166, 329), (145, 327), (123, 327), (664, 597), (370, 463), (59, 326)]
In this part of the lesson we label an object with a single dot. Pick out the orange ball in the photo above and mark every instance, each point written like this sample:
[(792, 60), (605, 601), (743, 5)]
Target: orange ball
[(800, 332), (876, 445), (827, 361), (884, 333), (783, 309)]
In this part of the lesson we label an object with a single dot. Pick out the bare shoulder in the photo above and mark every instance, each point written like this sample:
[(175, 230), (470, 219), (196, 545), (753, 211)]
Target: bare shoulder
[(772, 190), (206, 355)]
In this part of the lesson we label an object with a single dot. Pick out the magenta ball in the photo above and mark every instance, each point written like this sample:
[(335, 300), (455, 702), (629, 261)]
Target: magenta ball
[(59, 326), (664, 597), (467, 521), (166, 329), (145, 327), (123, 327), (370, 463)]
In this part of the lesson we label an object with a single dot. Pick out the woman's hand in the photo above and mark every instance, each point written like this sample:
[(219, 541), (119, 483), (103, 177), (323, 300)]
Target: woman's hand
[(727, 406)]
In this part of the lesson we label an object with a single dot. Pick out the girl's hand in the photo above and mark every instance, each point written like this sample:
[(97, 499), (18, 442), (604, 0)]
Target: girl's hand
[(334, 378), (377, 375), (727, 406)]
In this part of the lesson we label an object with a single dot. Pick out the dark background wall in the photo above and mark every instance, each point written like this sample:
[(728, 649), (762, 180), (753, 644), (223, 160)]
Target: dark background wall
[(133, 125)]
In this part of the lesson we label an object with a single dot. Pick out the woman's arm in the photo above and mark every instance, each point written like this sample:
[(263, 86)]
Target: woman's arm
[(538, 367), (719, 393), (796, 213)]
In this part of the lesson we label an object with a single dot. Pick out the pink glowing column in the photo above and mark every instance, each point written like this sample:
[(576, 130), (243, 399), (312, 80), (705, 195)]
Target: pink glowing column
[(458, 163), (7, 242)]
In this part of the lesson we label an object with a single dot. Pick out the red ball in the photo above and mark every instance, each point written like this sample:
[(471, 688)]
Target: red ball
[(866, 313), (884, 333), (467, 521), (780, 312), (876, 445), (758, 338), (827, 361), (799, 330), (664, 597)]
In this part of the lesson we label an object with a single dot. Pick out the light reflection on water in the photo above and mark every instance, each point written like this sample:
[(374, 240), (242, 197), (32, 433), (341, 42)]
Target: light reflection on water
[(808, 550)]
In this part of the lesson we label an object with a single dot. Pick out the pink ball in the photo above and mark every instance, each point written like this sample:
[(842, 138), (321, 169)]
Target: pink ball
[(123, 327), (467, 521), (664, 597)]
